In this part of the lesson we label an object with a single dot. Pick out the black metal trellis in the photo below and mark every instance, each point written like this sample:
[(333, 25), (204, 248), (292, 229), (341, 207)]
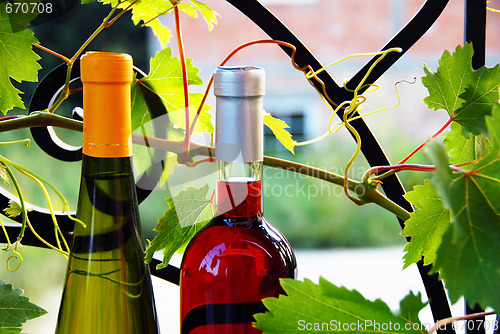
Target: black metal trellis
[(475, 33), (372, 151), (475, 21)]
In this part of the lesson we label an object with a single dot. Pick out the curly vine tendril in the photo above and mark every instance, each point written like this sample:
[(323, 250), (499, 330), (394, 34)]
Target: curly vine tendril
[(61, 246)]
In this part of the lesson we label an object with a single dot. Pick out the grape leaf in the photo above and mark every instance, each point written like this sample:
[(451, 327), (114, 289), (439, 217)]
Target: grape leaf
[(19, 61), (426, 225), (278, 127), (165, 79), (188, 212), (208, 13), (452, 77), (480, 96), (467, 95), (464, 149), (468, 256), (410, 306), (149, 119), (147, 11), (325, 307), (10, 330), (13, 210), (15, 309), (18, 18)]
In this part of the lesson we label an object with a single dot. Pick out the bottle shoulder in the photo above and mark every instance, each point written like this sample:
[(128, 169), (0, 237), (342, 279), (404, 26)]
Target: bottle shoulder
[(251, 227), (107, 168), (241, 237)]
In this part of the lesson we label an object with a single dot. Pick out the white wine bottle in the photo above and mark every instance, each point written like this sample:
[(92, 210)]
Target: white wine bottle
[(108, 286)]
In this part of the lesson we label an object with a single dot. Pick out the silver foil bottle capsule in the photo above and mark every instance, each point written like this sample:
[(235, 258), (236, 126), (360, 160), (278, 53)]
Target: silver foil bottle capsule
[(239, 92)]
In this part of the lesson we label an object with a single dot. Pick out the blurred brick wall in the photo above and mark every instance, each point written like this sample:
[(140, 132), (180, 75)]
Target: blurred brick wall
[(332, 29)]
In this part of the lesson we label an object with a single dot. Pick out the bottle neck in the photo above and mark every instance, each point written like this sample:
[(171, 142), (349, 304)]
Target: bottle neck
[(239, 189), (108, 184), (106, 79)]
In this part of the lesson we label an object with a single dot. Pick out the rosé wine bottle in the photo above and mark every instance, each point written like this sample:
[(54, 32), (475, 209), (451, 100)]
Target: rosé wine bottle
[(238, 258)]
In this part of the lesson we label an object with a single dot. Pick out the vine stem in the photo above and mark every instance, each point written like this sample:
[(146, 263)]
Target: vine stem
[(23, 169), (365, 191), (182, 56), (57, 231), (353, 106), (21, 198), (13, 248), (399, 167), (307, 70), (26, 142), (106, 23), (444, 322), (40, 119), (425, 142), (66, 60)]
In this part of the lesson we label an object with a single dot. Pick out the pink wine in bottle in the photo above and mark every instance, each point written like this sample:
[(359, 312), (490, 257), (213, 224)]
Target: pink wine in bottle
[(238, 258)]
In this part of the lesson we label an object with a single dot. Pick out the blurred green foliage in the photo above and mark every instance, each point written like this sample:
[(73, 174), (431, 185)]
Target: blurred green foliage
[(315, 214), (312, 213)]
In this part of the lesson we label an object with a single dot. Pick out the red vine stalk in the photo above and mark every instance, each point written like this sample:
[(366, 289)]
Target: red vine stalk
[(425, 142), (306, 69), (412, 167), (182, 57), (41, 47), (448, 321)]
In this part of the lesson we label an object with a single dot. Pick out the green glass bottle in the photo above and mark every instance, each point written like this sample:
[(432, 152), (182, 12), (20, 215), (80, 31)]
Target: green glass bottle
[(108, 286)]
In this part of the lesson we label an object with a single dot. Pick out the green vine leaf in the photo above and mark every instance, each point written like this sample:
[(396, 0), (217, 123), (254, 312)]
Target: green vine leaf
[(468, 256), (14, 209), (467, 95), (146, 11), (208, 13), (463, 149), (165, 79), (15, 309), (146, 115), (410, 306), (19, 61), (449, 82), (324, 307), (426, 225), (188, 212), (481, 95), (278, 127)]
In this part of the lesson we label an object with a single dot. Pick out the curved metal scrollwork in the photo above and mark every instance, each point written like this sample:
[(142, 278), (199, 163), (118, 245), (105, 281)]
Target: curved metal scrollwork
[(372, 151), (45, 93)]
